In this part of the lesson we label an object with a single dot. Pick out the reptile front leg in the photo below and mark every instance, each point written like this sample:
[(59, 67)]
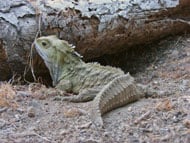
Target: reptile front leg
[(84, 96)]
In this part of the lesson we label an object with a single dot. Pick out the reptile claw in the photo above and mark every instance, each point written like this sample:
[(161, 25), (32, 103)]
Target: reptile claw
[(57, 98), (62, 98)]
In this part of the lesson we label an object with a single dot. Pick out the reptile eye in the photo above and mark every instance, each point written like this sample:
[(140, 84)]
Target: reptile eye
[(44, 44)]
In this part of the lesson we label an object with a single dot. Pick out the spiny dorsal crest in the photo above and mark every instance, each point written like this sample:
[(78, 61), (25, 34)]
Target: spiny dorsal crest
[(67, 48)]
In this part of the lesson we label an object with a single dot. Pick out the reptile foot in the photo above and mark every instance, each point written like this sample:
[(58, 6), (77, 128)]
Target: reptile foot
[(57, 98)]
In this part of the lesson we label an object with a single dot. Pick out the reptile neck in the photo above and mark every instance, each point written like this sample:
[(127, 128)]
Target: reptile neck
[(59, 70), (68, 70)]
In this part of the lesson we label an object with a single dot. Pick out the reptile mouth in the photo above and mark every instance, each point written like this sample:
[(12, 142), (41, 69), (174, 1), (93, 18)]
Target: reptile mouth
[(40, 52)]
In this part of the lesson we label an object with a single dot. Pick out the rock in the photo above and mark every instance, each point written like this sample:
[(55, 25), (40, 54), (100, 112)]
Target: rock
[(186, 123), (24, 93), (164, 105), (63, 132), (89, 141), (174, 53), (31, 112), (73, 112), (87, 125)]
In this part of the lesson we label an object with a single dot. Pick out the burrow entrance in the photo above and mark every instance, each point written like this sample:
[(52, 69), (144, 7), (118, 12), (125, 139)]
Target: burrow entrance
[(137, 59)]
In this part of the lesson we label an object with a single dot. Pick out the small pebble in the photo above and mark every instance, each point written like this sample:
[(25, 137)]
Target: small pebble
[(73, 112), (17, 116), (85, 126), (175, 53), (63, 132), (155, 82), (31, 112), (186, 122), (129, 109)]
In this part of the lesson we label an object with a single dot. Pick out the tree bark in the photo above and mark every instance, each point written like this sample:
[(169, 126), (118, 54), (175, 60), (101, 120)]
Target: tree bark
[(96, 28)]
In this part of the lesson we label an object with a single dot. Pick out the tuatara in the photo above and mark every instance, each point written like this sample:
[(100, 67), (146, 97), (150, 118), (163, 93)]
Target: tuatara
[(110, 86)]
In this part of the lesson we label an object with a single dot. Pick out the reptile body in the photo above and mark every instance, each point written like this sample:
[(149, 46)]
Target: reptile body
[(110, 87)]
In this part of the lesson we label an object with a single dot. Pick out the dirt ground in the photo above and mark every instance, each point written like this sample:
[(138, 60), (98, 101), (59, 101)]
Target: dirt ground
[(27, 115)]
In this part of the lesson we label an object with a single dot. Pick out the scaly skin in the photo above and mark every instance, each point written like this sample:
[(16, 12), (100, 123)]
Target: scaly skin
[(111, 87)]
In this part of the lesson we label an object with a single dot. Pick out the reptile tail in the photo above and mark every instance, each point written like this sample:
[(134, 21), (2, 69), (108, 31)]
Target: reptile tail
[(119, 92)]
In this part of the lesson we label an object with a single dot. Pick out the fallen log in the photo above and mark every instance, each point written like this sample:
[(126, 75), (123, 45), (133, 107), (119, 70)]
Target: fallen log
[(95, 27)]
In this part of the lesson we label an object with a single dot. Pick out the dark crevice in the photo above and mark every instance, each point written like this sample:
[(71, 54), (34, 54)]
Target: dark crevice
[(5, 71), (137, 59)]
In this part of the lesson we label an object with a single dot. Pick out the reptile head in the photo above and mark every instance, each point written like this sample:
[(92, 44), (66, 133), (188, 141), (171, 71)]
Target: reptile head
[(52, 49), (56, 54)]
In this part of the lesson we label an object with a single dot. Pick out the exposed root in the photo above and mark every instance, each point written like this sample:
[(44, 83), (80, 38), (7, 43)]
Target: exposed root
[(30, 57)]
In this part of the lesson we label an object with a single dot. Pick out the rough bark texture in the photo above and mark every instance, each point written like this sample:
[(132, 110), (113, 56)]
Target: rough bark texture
[(96, 28)]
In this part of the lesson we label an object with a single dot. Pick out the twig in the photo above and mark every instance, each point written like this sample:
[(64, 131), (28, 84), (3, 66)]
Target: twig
[(30, 133), (142, 117), (12, 79), (3, 109), (30, 59)]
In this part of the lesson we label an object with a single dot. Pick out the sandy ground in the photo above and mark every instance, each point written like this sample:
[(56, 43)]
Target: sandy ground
[(29, 116)]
